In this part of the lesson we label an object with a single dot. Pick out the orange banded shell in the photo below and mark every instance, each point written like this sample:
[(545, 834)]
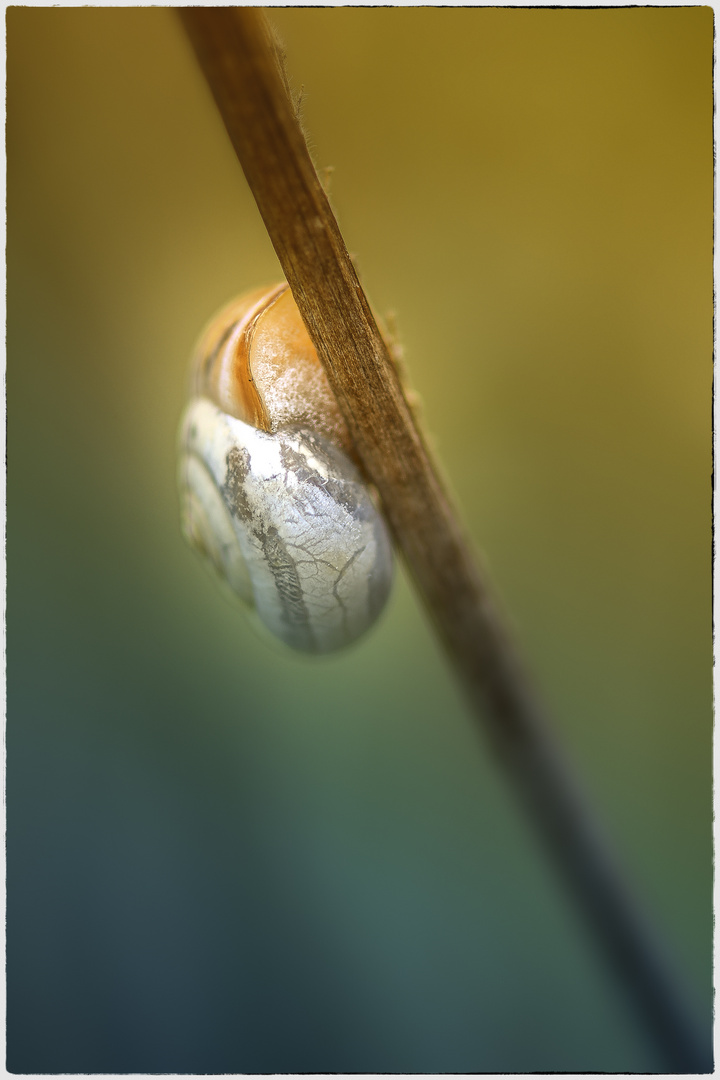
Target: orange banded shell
[(270, 495)]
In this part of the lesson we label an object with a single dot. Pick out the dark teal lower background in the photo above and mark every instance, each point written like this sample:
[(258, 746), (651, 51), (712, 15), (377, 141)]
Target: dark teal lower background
[(222, 858)]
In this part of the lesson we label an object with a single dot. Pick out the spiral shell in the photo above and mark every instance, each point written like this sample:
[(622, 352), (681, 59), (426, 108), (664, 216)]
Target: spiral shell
[(269, 494)]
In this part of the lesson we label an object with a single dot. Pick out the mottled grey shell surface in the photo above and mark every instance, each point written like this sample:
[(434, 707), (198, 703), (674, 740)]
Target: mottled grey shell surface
[(286, 519)]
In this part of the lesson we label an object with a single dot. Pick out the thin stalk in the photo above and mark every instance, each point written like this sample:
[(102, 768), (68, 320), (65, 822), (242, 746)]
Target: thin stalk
[(240, 63)]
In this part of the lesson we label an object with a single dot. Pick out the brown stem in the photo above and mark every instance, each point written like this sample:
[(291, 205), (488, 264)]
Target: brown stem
[(236, 54)]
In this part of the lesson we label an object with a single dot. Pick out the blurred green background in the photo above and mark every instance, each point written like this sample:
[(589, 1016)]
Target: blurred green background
[(225, 858)]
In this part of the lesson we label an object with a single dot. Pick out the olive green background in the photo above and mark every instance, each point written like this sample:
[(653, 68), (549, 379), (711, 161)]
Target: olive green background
[(225, 858)]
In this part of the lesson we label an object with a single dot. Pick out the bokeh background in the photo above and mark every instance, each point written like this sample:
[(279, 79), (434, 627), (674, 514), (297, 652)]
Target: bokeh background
[(225, 858)]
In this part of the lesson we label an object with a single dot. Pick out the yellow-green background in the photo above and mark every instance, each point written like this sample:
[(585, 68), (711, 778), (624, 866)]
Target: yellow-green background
[(223, 858)]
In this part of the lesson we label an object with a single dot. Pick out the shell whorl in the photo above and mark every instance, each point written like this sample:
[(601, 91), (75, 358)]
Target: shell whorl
[(257, 363)]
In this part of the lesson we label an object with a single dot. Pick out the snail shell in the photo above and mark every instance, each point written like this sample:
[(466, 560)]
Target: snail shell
[(270, 495)]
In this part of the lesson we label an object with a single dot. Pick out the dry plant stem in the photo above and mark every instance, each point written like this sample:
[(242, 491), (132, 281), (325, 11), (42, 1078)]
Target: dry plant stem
[(241, 65)]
